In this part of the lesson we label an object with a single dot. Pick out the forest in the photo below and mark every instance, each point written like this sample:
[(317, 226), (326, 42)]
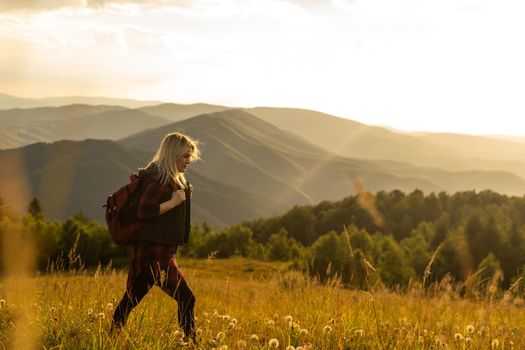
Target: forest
[(391, 237)]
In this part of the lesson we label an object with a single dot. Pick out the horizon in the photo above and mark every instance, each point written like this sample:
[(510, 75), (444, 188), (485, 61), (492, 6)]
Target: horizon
[(430, 66), (511, 137)]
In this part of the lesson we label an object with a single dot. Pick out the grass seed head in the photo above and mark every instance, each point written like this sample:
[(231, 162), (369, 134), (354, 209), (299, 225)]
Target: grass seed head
[(273, 343)]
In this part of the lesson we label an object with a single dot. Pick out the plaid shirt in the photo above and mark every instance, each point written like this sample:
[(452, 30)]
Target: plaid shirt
[(154, 194)]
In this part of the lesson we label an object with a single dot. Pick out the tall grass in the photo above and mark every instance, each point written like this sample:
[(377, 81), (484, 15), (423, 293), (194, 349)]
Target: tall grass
[(255, 305)]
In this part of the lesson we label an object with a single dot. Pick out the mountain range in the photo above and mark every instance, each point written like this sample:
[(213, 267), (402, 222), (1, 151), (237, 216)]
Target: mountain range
[(256, 162)]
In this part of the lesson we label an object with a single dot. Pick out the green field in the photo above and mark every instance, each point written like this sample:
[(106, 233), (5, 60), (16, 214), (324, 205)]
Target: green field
[(245, 304)]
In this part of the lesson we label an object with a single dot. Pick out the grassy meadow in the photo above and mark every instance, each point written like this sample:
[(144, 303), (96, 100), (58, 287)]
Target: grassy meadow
[(245, 304)]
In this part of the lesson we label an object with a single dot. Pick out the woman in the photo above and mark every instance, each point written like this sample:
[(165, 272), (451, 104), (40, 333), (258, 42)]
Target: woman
[(164, 207)]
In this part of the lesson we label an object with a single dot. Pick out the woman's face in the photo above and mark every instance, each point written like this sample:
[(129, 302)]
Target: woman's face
[(184, 160)]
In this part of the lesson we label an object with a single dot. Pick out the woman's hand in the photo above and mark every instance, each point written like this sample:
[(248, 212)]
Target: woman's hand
[(177, 197)]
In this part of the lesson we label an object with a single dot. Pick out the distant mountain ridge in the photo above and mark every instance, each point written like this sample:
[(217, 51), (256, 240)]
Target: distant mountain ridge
[(20, 127), (10, 102), (258, 161), (245, 150), (72, 176)]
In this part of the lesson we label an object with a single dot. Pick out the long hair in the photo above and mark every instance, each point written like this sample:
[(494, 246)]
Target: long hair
[(165, 159)]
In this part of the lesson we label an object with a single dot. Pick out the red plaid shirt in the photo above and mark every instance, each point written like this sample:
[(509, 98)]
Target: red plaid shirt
[(154, 194)]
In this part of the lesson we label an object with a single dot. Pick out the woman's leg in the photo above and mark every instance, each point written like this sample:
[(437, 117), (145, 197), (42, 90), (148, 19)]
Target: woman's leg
[(133, 295), (177, 288)]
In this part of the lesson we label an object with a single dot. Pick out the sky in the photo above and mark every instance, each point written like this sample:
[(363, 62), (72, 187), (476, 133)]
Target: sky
[(414, 65)]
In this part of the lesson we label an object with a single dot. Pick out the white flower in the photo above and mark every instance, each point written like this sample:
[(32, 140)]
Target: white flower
[(289, 347), (470, 329), (359, 332), (288, 318), (458, 336), (273, 343), (495, 343), (304, 332), (327, 329), (254, 337)]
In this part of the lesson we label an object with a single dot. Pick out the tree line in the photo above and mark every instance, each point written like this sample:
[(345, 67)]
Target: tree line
[(392, 236)]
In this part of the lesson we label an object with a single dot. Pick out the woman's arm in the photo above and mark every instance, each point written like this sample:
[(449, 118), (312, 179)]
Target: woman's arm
[(177, 197)]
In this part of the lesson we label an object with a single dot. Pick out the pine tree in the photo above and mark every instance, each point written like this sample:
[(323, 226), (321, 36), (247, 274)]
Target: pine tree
[(35, 209)]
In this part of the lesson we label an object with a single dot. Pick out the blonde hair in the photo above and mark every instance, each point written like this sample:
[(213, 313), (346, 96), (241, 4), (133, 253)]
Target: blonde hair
[(165, 159)]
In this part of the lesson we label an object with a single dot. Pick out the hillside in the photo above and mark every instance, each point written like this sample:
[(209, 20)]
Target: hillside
[(176, 112), (243, 150), (68, 177), (450, 152), (20, 127)]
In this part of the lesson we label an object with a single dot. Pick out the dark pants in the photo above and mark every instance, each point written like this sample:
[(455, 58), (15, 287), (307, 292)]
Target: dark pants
[(163, 273)]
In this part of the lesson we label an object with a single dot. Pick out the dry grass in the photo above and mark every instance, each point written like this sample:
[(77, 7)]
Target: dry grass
[(246, 304)]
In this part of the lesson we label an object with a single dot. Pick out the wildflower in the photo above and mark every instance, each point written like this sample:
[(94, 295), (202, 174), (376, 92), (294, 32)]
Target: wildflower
[(220, 336), (304, 332), (327, 329), (234, 321), (470, 329), (288, 318), (495, 343), (420, 339), (109, 306), (332, 321), (205, 314), (231, 325), (226, 317), (458, 336), (254, 337), (289, 347), (241, 344), (275, 316), (90, 311), (273, 343), (359, 332), (178, 335), (2, 303), (101, 315), (198, 331), (299, 348), (468, 340)]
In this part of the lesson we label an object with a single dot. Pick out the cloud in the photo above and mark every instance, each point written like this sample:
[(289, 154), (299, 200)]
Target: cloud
[(35, 6), (49, 5)]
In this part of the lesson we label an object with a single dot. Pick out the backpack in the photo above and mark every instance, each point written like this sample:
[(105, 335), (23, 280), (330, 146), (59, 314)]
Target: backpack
[(121, 211)]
